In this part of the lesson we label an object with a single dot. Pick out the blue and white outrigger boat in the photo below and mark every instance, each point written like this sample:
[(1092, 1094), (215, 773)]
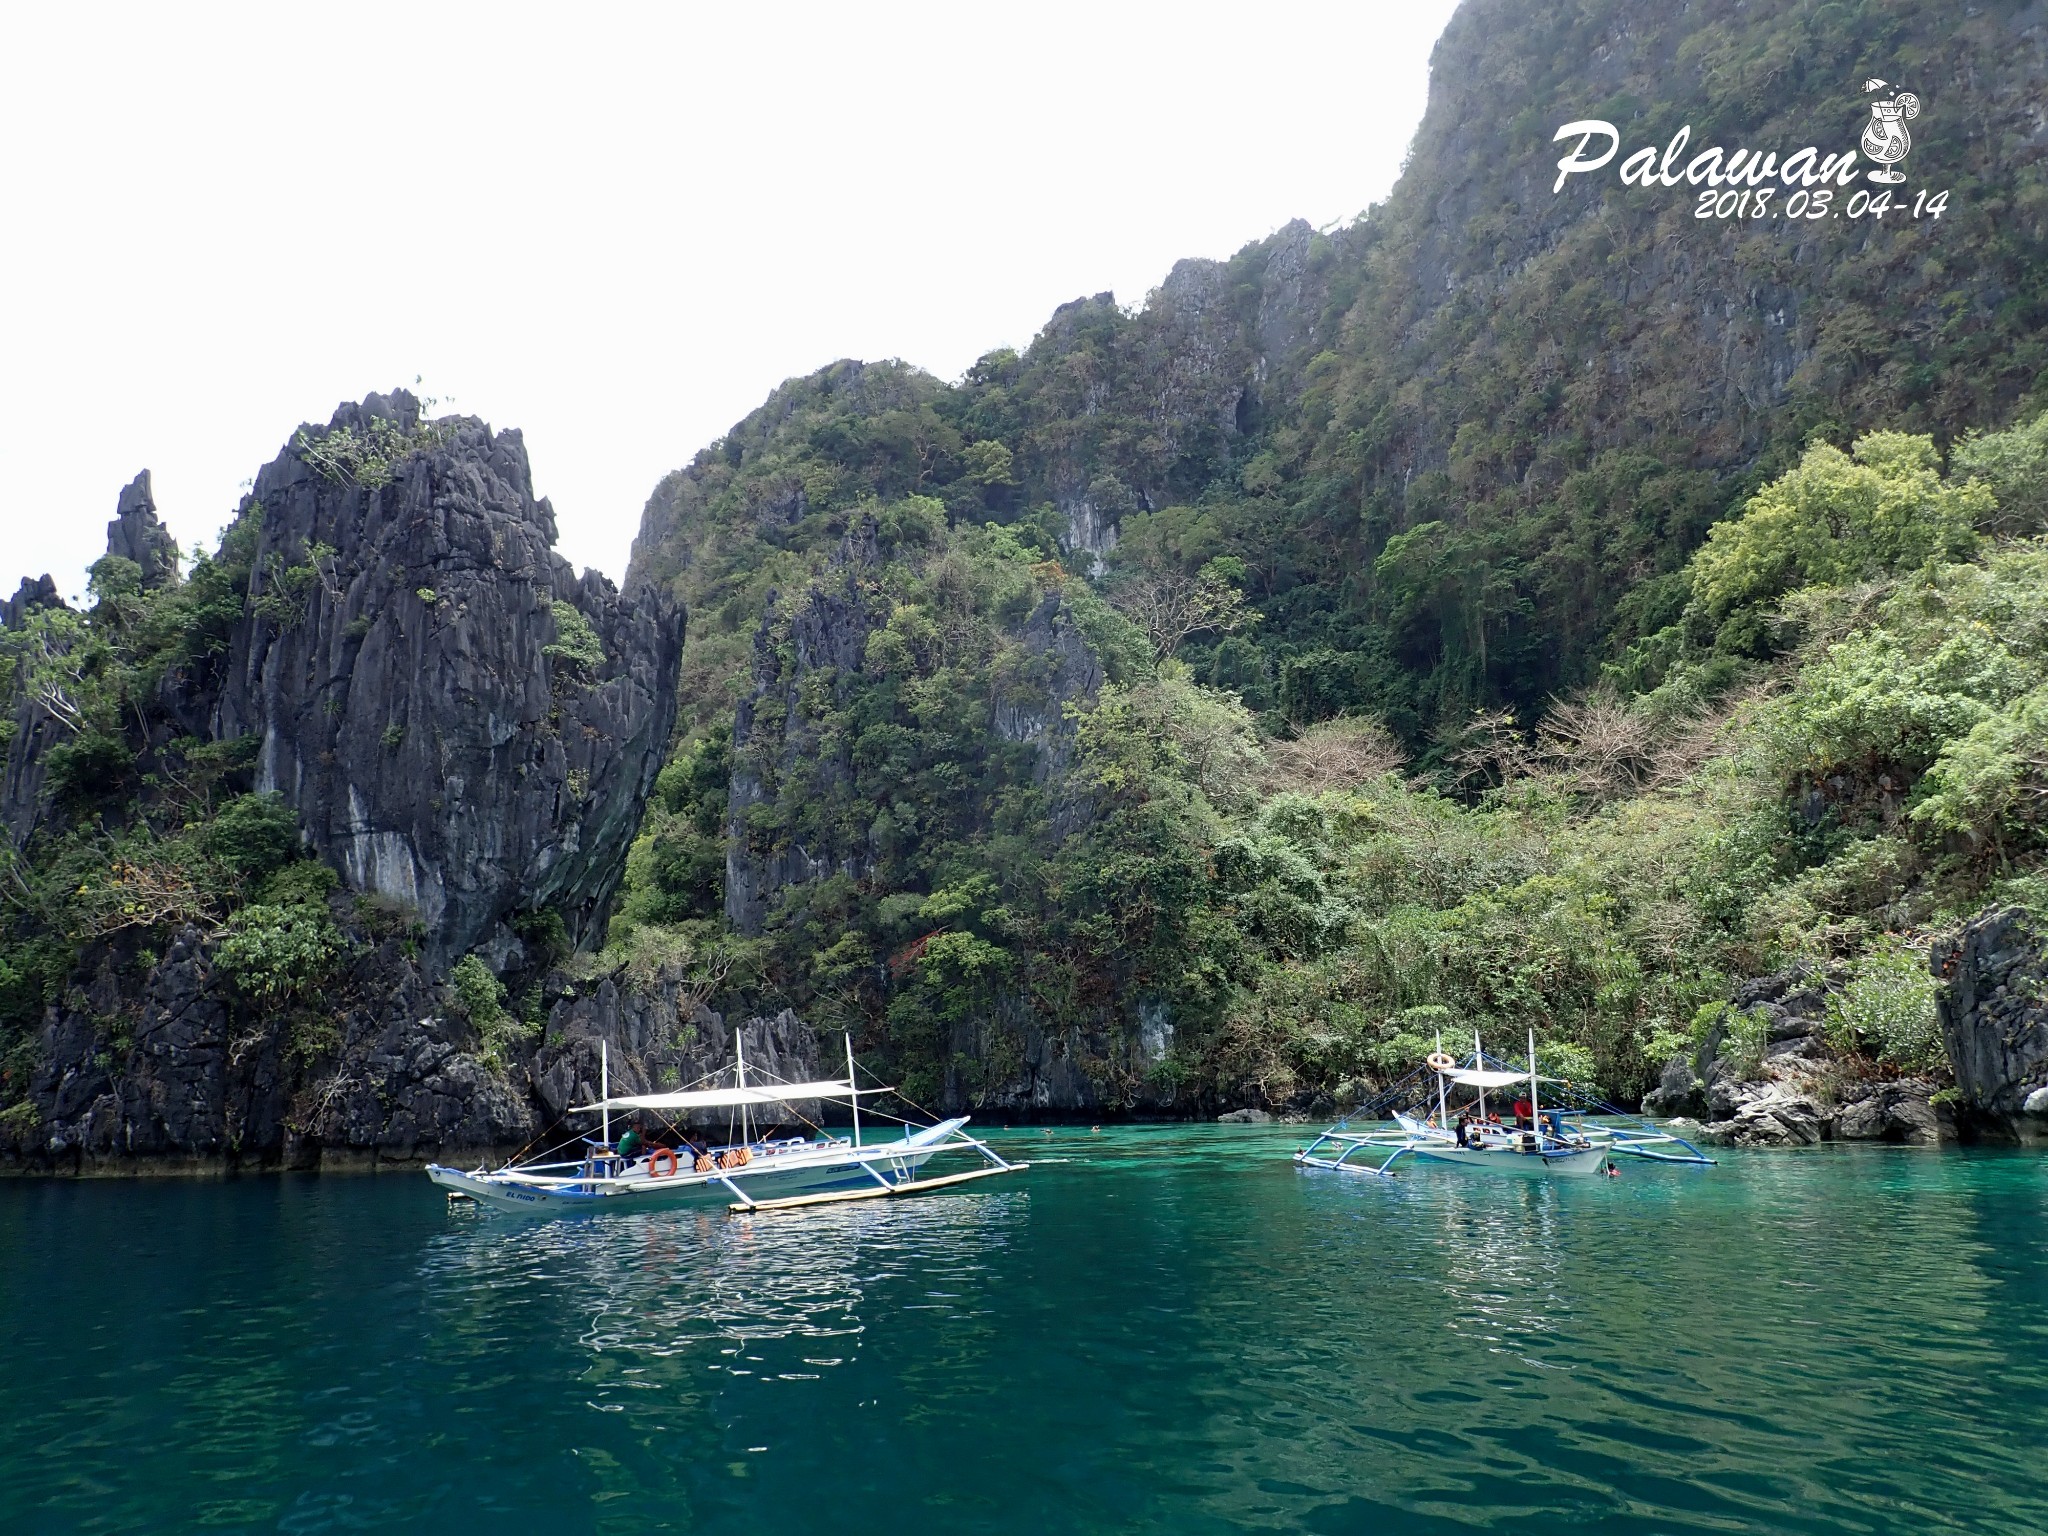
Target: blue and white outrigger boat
[(749, 1173), (1574, 1136)]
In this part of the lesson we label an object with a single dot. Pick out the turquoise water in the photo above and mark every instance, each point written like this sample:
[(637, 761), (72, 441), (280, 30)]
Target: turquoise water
[(1159, 1329)]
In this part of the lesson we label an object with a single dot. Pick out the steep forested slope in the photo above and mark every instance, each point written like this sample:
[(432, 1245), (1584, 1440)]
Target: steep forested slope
[(1449, 443), (1351, 498)]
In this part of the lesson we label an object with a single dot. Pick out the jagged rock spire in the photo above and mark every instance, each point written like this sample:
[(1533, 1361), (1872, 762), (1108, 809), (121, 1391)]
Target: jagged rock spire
[(136, 534)]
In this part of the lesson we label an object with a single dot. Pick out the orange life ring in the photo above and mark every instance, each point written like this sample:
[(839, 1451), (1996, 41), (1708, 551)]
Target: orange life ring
[(1441, 1061), (654, 1158)]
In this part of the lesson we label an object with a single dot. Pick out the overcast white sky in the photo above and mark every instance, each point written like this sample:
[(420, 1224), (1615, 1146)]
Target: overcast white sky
[(616, 227)]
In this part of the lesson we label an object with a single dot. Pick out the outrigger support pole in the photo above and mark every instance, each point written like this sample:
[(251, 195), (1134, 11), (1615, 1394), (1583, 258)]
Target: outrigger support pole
[(984, 1148)]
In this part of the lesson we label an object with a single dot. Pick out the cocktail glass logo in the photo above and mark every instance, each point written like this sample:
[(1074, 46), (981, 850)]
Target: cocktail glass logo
[(1885, 138), (1744, 183)]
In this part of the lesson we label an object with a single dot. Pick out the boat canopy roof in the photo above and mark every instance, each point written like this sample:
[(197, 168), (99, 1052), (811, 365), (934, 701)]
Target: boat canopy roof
[(729, 1098), (1473, 1077)]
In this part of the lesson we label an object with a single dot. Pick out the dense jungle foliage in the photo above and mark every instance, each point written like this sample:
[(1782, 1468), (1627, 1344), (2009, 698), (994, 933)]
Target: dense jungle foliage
[(1837, 744), (1523, 501)]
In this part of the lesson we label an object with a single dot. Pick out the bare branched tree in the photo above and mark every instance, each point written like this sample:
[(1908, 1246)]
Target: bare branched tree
[(1488, 749), (1342, 754), (1599, 745), (143, 893), (1171, 607), (704, 980), (49, 664)]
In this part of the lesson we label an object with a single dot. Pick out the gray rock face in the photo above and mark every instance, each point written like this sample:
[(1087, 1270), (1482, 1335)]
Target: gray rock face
[(410, 690), (181, 1073), (1774, 1118), (659, 1040), (1993, 1006), (776, 734), (773, 732), (28, 597), (424, 677), (1679, 1091), (1030, 703), (1780, 1104), (190, 1075), (1900, 1111), (35, 729), (1707, 1084), (136, 534), (1099, 1066)]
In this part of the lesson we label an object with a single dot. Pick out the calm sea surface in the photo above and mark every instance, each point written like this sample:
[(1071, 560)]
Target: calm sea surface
[(1165, 1329)]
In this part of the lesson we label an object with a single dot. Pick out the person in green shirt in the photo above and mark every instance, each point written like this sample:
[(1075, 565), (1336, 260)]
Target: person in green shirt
[(630, 1144)]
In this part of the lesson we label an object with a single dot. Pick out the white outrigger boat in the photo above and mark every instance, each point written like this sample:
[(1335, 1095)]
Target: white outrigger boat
[(1577, 1136), (751, 1173)]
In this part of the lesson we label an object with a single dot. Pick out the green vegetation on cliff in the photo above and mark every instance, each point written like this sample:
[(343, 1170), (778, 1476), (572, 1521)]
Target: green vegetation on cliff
[(1836, 742), (144, 830), (1518, 573)]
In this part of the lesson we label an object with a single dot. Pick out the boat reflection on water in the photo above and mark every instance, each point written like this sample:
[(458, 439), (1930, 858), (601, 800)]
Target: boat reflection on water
[(1504, 1276), (748, 1295)]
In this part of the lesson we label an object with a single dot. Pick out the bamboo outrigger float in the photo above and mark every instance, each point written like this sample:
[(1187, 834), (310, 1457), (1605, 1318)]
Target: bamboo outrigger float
[(1575, 1136), (749, 1173)]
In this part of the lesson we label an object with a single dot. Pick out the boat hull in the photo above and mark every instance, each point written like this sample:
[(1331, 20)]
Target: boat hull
[(1579, 1163), (806, 1172)]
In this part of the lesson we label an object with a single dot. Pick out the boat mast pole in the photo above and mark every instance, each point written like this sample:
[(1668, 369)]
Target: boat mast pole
[(739, 1048), (604, 1089), (1443, 1115), (853, 1094), (1479, 1061), (1535, 1117)]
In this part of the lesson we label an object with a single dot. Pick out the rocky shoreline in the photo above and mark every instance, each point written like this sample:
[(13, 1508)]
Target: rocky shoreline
[(206, 1092), (1994, 1025)]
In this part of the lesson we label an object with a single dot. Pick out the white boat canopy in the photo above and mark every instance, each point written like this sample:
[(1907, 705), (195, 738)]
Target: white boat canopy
[(724, 1098), (1473, 1077)]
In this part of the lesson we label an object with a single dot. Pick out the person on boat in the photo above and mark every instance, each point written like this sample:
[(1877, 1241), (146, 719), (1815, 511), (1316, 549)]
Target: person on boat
[(1464, 1130), (1554, 1118), (630, 1143), (1523, 1114)]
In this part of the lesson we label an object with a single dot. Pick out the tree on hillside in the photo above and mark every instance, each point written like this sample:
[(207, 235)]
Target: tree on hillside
[(1172, 606)]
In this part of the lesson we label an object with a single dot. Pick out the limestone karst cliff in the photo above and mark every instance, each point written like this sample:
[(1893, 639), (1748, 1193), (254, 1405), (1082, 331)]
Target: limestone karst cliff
[(412, 692), (258, 813)]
